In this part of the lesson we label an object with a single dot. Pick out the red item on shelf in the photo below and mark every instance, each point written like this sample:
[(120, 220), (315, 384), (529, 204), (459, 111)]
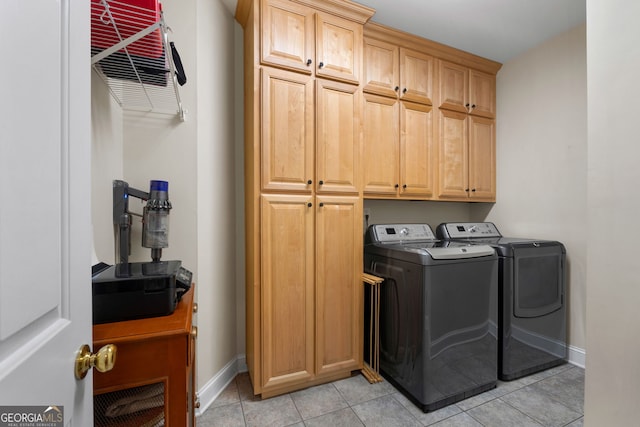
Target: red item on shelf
[(122, 19)]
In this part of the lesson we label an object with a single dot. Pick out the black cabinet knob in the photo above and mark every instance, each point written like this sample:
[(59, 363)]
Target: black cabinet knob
[(308, 62), (397, 88), (404, 186), (473, 190), (321, 204), (473, 105), (404, 90), (320, 65), (466, 189), (309, 182), (466, 105), (309, 204), (397, 185), (321, 182)]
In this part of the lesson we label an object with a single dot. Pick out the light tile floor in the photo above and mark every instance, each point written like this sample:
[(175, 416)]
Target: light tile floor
[(550, 398)]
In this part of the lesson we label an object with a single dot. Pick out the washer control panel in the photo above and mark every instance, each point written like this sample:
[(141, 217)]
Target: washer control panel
[(467, 230), (385, 233)]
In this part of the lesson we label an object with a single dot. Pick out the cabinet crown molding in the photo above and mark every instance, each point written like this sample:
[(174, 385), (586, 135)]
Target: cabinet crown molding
[(378, 31), (343, 8)]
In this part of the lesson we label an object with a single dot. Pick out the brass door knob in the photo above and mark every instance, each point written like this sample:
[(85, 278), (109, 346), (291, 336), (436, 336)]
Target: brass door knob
[(104, 360)]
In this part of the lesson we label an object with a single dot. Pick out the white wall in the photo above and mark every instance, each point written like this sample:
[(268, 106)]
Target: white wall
[(613, 65), (432, 213), (197, 157), (542, 157)]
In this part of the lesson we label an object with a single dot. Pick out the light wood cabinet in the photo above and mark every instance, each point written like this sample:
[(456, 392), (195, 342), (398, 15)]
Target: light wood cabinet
[(466, 157), (303, 39), (467, 90), (325, 128), (417, 150), (339, 304), (391, 70), (398, 153), (287, 129), (303, 196), (293, 159), (287, 291), (381, 144), (337, 151), (311, 309)]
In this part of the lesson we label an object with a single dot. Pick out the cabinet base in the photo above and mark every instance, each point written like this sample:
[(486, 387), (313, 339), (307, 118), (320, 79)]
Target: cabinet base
[(300, 386)]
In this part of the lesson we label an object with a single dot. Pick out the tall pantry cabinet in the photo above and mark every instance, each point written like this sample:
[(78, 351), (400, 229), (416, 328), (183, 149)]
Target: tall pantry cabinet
[(303, 197)]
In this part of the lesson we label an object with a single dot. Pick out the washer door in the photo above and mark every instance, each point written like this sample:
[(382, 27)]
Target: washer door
[(538, 279)]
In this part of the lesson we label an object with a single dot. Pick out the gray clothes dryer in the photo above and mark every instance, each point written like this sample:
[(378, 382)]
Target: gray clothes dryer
[(532, 316), (438, 313)]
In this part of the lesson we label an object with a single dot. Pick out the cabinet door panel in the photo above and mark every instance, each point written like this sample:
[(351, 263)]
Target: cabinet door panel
[(482, 166), (416, 76), (338, 48), (287, 289), (416, 149), (454, 86), (453, 155), (482, 90), (287, 35), (338, 137), (339, 291), (381, 68), (287, 130), (380, 145)]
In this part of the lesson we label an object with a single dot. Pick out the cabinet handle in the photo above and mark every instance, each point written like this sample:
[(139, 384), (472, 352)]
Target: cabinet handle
[(309, 182), (473, 106), (404, 90), (473, 190), (309, 204), (404, 186), (466, 189), (195, 307), (321, 182), (194, 332), (397, 88), (308, 62), (320, 65), (466, 105), (321, 204), (397, 185)]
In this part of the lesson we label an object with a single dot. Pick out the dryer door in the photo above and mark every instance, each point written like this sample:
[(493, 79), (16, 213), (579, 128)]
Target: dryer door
[(539, 279)]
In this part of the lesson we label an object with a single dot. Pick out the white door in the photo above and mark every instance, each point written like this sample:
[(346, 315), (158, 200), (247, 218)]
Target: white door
[(45, 173)]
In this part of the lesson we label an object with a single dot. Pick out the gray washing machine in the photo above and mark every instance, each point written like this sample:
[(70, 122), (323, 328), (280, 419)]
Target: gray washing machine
[(438, 313), (532, 316)]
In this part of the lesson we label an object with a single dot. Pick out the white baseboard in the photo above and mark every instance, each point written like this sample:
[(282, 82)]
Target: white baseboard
[(216, 385), (577, 356)]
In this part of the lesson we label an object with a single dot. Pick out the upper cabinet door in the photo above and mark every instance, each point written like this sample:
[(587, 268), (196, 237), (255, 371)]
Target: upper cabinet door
[(380, 145), (287, 129), (482, 94), (454, 87), (337, 137), (381, 68), (287, 35), (416, 76), (482, 159), (338, 48)]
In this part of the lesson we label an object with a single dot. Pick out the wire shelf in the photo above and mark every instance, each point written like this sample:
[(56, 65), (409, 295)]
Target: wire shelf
[(130, 51)]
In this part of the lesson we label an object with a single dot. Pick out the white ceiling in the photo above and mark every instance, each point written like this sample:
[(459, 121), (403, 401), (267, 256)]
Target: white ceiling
[(494, 29)]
